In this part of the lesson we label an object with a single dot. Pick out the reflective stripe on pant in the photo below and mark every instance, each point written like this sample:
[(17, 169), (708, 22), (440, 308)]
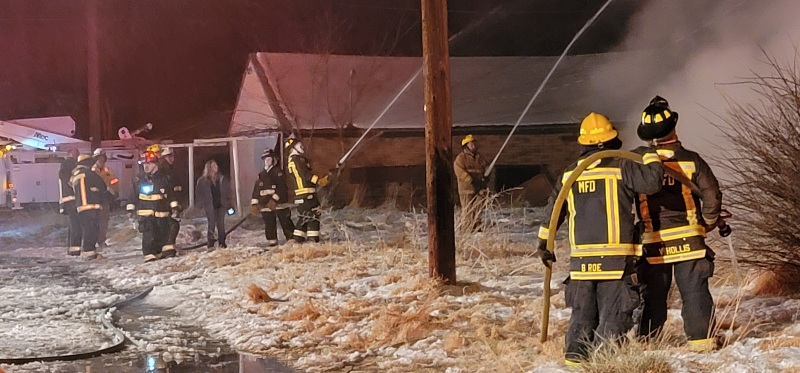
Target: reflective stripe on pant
[(308, 221), (154, 234), (216, 221), (602, 310), (75, 231), (89, 220), (271, 219), (692, 280)]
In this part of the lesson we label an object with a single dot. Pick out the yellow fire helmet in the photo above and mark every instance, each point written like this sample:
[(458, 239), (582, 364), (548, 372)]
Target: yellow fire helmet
[(596, 129), (155, 148), (467, 139)]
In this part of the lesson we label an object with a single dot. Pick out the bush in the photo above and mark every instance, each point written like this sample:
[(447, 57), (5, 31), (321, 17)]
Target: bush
[(763, 167)]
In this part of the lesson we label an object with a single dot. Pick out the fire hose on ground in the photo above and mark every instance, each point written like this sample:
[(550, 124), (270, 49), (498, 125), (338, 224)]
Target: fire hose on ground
[(564, 192), (119, 336)]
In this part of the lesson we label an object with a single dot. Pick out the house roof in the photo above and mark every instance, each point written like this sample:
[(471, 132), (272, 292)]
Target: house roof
[(328, 91)]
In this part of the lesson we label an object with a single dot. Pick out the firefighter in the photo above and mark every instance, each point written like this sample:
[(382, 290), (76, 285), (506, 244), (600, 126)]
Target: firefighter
[(305, 185), (602, 287), (111, 193), (165, 167), (270, 196), (675, 223), (90, 190), (150, 201), (470, 167), (67, 202)]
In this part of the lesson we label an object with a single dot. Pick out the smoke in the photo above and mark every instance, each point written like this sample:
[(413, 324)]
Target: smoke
[(690, 51)]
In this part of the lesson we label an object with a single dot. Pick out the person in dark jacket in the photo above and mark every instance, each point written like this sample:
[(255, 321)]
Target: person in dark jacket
[(165, 167), (305, 184), (150, 201), (270, 196), (67, 202), (90, 196), (602, 288), (214, 196), (675, 223)]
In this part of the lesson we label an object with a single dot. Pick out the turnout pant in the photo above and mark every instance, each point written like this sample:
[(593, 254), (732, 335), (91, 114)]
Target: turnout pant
[(602, 311), (173, 227), (308, 211), (271, 218), (75, 232), (698, 307), (89, 221), (154, 234), (216, 221), (102, 229)]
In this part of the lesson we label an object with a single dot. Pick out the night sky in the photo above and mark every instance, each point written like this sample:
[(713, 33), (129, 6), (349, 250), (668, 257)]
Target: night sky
[(179, 63)]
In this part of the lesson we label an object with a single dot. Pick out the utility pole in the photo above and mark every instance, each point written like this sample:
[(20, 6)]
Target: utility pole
[(438, 141), (93, 74)]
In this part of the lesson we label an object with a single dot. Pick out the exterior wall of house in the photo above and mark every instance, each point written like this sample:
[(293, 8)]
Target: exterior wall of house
[(391, 164)]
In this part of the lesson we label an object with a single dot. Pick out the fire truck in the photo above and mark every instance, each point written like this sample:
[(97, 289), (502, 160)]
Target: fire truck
[(31, 151)]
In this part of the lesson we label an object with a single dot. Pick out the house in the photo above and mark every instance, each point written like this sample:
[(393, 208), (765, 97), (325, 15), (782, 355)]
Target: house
[(332, 99)]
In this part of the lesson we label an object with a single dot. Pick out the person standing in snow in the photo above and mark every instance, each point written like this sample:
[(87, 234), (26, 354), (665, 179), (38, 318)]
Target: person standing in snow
[(270, 196), (214, 196), (90, 190), (67, 202), (305, 184), (469, 168), (165, 167), (150, 200), (675, 223), (111, 193), (602, 287)]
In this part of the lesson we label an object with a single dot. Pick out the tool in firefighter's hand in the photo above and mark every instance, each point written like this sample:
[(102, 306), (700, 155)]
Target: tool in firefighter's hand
[(724, 229)]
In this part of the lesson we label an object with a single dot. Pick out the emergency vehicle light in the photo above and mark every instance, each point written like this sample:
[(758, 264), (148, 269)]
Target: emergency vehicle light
[(10, 185)]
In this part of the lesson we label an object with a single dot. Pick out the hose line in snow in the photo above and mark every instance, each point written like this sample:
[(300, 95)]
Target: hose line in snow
[(119, 338), (559, 202)]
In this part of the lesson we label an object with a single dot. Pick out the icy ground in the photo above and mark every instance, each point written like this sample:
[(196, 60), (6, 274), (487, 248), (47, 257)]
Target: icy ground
[(360, 302)]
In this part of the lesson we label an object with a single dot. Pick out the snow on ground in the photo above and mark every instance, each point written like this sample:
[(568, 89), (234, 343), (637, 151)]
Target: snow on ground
[(360, 300)]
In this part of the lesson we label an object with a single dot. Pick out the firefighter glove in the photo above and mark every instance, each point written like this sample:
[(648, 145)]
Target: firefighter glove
[(272, 205), (254, 209), (548, 257), (323, 181)]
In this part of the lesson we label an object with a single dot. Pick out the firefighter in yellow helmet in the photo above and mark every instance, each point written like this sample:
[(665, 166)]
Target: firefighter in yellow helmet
[(469, 168), (111, 193), (675, 223), (166, 169), (305, 184), (602, 287)]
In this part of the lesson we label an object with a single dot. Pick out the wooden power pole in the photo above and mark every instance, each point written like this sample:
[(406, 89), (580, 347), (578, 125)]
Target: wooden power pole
[(438, 141), (93, 74)]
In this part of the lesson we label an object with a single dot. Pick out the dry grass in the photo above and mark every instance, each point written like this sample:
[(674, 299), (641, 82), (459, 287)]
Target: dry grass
[(258, 295), (627, 358), (772, 283)]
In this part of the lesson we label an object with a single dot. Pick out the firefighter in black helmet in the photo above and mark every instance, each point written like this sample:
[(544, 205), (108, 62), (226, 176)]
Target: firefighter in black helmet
[(270, 197), (90, 190), (305, 184), (602, 288), (675, 222)]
